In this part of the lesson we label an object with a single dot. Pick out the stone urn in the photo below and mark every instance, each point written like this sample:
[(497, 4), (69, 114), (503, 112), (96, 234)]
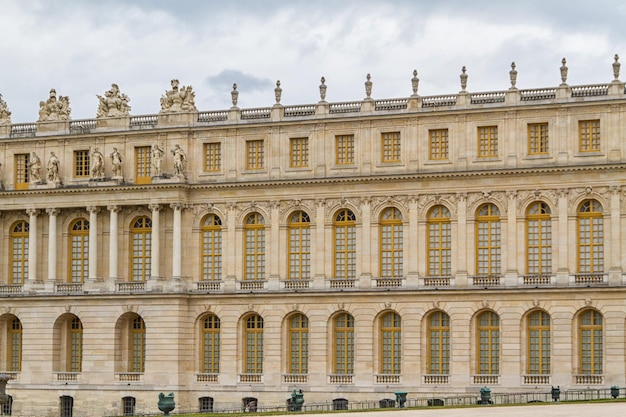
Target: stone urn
[(166, 403), (4, 378)]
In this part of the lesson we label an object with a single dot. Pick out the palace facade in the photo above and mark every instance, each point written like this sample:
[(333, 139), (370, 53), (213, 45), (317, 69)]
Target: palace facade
[(429, 245)]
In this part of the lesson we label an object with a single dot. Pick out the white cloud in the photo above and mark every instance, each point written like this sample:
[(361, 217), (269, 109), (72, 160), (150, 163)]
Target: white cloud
[(80, 48)]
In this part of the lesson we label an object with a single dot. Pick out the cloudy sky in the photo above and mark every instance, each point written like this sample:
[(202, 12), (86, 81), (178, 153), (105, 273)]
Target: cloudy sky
[(80, 47)]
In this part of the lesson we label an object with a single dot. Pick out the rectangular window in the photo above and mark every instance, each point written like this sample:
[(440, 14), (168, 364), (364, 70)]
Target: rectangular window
[(21, 171), (298, 152), (143, 160), (81, 164), (589, 135), (438, 144), (344, 149), (255, 154), (537, 138), (488, 142), (212, 157), (391, 147)]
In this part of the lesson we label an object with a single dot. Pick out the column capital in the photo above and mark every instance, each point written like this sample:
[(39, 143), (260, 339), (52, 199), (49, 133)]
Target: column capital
[(33, 212), (93, 209), (155, 207), (177, 206), (114, 208), (52, 212)]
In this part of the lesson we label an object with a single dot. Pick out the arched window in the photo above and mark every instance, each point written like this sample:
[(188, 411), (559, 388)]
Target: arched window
[(343, 344), (391, 244), (74, 345), (14, 344), (137, 358), (211, 344), (390, 344), (254, 247), (488, 241), (211, 248), (590, 343), (18, 255), (253, 349), (438, 340), (344, 250), (298, 350), (205, 404), (439, 242), (79, 250), (538, 239), (66, 406), (128, 405), (141, 254), (299, 246), (488, 332), (590, 238), (539, 356)]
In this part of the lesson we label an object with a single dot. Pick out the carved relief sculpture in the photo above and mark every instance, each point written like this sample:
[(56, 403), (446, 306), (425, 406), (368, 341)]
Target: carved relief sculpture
[(97, 164), (113, 104), (157, 158), (53, 169), (35, 168), (178, 99), (180, 159), (116, 162), (54, 109), (5, 114)]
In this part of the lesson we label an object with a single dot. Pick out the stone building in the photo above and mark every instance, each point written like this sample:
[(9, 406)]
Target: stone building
[(432, 245)]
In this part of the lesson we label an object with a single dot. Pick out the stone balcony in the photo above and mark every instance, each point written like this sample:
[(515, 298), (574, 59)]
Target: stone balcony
[(319, 284)]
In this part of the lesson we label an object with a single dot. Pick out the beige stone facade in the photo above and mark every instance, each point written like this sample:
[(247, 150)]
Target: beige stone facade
[(351, 250)]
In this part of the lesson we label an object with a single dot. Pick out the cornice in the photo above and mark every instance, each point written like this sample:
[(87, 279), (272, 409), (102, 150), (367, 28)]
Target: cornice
[(316, 181)]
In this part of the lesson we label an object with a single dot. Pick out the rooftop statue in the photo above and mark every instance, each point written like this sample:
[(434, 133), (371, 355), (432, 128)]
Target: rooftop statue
[(178, 99), (53, 109), (5, 114), (113, 104)]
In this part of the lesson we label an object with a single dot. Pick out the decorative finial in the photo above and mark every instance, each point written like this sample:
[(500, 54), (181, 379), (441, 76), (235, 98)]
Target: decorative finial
[(323, 90), (463, 79), (234, 95), (368, 87), (563, 72), (616, 66), (415, 82), (513, 75), (278, 92)]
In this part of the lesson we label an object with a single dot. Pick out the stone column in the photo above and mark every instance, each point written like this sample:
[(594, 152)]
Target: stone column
[(319, 267), (273, 249), (52, 243), (93, 241), (510, 256), (461, 247), (177, 243), (615, 246), (154, 265), (229, 249), (113, 238), (364, 245), (32, 244), (562, 277), (412, 245)]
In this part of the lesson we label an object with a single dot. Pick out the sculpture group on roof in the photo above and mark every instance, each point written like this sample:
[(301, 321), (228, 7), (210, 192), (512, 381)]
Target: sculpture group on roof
[(5, 114), (113, 104), (178, 99), (54, 109)]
